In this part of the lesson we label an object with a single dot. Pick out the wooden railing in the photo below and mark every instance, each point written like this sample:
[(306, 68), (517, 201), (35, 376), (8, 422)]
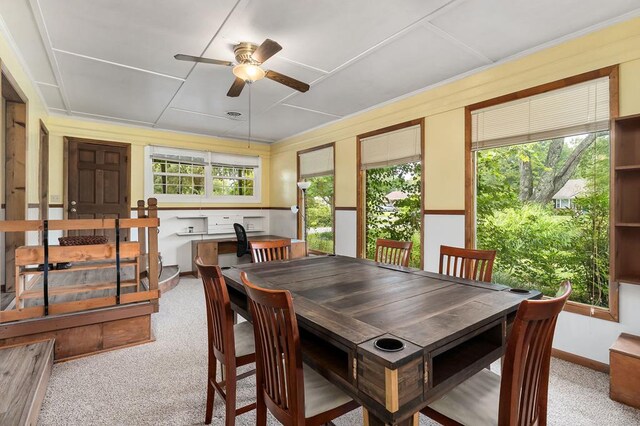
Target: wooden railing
[(114, 255)]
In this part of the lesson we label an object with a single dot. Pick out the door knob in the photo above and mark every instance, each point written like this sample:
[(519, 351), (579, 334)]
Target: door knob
[(73, 203), (73, 210)]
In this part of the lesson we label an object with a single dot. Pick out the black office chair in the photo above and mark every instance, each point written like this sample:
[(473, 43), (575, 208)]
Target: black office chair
[(243, 242)]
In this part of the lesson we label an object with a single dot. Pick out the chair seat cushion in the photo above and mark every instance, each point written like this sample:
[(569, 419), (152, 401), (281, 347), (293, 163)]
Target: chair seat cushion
[(473, 402), (319, 394), (243, 333)]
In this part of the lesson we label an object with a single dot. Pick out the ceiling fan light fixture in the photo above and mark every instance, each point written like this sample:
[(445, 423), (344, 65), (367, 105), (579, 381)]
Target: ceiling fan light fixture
[(248, 72)]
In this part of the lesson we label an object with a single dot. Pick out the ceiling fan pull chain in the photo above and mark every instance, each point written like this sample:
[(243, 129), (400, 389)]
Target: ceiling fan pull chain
[(250, 84)]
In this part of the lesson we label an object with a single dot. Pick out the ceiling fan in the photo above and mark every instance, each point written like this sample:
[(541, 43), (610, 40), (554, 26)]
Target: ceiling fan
[(249, 57)]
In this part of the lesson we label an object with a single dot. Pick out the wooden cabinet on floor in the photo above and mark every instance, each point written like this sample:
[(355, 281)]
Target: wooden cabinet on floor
[(624, 360)]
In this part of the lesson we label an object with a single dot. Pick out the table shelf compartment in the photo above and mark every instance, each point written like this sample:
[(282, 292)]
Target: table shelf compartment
[(448, 361), (324, 356)]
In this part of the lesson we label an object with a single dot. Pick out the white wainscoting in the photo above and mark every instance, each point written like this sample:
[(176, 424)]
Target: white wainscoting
[(441, 229), (591, 337), (283, 223), (346, 232)]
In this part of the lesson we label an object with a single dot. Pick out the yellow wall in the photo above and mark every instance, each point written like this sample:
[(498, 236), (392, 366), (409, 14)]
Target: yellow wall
[(139, 137), (443, 110), (442, 107)]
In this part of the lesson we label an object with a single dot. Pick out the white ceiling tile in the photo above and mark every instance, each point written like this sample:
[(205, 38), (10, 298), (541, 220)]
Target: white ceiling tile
[(501, 28), (280, 122), (139, 33), (206, 89), (51, 96), (415, 60), (324, 34), (195, 123), (104, 89), (22, 26)]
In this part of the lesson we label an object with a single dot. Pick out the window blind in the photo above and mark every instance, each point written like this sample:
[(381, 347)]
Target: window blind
[(392, 148), (573, 110), (177, 155), (218, 159), (316, 163)]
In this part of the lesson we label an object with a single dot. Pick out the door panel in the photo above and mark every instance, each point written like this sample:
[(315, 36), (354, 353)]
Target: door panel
[(98, 183)]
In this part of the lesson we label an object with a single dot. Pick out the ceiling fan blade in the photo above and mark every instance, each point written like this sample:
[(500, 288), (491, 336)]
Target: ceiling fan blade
[(236, 88), (190, 58), (267, 49), (287, 81)]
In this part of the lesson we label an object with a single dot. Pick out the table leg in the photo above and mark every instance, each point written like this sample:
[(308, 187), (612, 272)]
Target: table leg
[(369, 419)]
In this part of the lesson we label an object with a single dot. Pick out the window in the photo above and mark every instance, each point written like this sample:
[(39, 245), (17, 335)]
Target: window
[(317, 167), (182, 175), (176, 177), (390, 185), (542, 190)]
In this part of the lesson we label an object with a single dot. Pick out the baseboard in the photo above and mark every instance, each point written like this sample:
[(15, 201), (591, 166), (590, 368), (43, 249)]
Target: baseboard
[(188, 274), (580, 360)]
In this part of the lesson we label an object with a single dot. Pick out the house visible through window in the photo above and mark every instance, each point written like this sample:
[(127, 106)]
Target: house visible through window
[(542, 189)]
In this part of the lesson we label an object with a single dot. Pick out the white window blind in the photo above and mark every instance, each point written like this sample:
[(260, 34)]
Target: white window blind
[(178, 155), (234, 160), (577, 109), (316, 163), (392, 148)]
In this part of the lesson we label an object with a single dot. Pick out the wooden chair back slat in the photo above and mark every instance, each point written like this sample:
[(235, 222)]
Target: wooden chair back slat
[(525, 373), (219, 313), (278, 353), (393, 252), (467, 263), (266, 251)]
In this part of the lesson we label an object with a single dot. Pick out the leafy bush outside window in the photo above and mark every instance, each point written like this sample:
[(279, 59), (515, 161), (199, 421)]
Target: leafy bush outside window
[(175, 177), (229, 180)]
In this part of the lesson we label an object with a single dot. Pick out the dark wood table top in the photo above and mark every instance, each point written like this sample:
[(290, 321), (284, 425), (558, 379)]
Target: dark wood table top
[(444, 322)]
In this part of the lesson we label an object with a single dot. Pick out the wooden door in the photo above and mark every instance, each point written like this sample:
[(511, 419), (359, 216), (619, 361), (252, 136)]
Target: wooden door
[(98, 183)]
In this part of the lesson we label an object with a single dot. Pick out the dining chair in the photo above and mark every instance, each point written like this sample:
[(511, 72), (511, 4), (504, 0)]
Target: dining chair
[(519, 396), (266, 251), (293, 392), (232, 345), (467, 263), (393, 252), (243, 242)]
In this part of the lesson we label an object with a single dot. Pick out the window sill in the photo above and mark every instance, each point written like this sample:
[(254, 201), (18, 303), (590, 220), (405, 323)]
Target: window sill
[(591, 311)]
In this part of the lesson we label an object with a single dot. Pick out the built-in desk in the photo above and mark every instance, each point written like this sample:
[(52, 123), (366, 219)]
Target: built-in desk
[(210, 248)]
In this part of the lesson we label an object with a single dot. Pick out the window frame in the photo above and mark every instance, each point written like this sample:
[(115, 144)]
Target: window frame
[(331, 145), (208, 196), (361, 219), (612, 313)]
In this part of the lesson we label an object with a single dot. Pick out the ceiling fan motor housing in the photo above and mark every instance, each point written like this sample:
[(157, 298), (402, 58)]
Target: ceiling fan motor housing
[(243, 52)]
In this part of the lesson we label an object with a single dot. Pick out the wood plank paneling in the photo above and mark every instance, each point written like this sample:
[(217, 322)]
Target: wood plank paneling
[(24, 374)]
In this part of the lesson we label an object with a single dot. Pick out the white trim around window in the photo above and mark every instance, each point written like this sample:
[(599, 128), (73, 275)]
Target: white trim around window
[(208, 160)]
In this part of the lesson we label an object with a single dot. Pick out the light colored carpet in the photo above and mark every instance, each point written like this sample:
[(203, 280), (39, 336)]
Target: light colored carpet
[(163, 383)]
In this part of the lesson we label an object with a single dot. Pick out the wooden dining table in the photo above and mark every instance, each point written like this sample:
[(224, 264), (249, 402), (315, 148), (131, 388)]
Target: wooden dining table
[(448, 329)]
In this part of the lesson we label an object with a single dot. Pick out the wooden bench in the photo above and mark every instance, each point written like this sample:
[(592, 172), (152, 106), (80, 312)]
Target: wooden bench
[(624, 363), (24, 375)]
